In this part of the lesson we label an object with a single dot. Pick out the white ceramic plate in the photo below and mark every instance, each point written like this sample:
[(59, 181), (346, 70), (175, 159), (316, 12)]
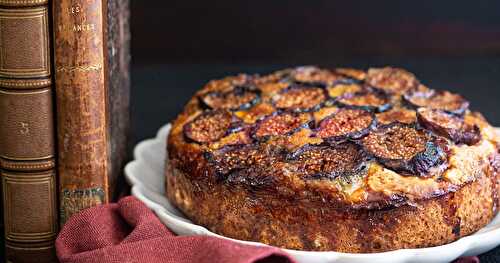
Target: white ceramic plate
[(145, 175)]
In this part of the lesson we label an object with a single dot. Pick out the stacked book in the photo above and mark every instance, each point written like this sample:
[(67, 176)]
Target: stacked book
[(64, 97)]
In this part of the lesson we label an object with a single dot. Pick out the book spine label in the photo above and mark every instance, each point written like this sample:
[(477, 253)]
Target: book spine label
[(81, 98), (27, 148)]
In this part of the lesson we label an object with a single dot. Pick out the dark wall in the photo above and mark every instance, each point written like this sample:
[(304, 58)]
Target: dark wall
[(301, 31), (451, 45)]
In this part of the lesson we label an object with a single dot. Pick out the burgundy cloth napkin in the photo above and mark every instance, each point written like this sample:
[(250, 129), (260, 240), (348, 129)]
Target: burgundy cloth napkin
[(129, 232)]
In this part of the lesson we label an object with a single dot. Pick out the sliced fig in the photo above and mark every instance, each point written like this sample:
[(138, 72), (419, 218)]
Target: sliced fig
[(346, 124), (208, 127), (238, 157), (370, 100), (343, 88), (449, 126), (393, 80), (227, 83), (281, 124), (352, 73), (300, 99), (441, 100), (329, 162), (405, 149), (274, 77), (313, 76), (239, 98), (401, 115)]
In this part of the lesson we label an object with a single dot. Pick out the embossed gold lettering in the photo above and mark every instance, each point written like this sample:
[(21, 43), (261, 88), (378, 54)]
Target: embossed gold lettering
[(25, 128), (77, 28), (75, 9), (83, 27)]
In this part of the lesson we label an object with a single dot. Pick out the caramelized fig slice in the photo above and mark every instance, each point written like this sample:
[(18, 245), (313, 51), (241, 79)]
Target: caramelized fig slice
[(313, 76), (449, 126), (405, 149), (300, 99), (281, 124), (228, 83), (441, 100), (239, 98), (274, 77), (329, 162), (393, 80), (370, 100), (238, 157), (401, 115), (346, 124), (208, 127)]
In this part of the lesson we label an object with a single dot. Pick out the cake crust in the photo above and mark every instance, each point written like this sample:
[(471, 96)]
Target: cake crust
[(333, 160)]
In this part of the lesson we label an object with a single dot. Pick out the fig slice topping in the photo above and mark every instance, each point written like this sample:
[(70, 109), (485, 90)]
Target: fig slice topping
[(393, 80), (405, 149), (370, 100), (300, 99), (209, 126), (449, 126), (346, 124), (238, 157), (401, 115), (313, 76), (329, 162), (239, 98), (281, 124), (440, 100)]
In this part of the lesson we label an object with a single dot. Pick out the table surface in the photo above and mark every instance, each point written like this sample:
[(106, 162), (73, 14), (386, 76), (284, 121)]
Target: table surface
[(160, 91)]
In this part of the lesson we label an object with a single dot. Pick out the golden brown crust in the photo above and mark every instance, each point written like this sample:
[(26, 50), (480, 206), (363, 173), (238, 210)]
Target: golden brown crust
[(246, 182), (303, 224)]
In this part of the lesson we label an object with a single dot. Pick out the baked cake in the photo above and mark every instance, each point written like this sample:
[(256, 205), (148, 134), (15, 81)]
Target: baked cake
[(333, 160)]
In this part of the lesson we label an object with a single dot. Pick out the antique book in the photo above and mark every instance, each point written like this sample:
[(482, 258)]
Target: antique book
[(91, 60), (27, 148)]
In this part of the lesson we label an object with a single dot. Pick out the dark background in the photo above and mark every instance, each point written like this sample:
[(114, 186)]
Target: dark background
[(179, 45), (317, 31)]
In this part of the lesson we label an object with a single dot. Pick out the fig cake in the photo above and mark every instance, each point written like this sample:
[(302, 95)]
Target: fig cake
[(333, 160)]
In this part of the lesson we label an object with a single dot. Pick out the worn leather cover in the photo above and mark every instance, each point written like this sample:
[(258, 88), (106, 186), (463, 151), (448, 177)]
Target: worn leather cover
[(27, 147), (92, 102)]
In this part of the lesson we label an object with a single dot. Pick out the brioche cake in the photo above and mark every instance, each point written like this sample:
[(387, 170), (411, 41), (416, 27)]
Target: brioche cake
[(333, 160)]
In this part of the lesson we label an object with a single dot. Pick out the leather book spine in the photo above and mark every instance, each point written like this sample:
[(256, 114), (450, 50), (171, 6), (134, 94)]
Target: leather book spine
[(27, 147), (91, 102)]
